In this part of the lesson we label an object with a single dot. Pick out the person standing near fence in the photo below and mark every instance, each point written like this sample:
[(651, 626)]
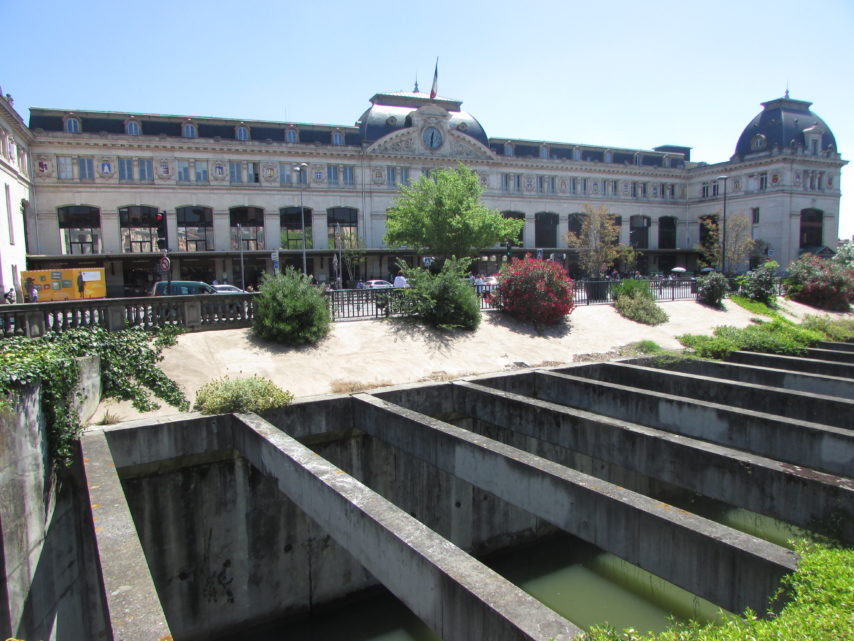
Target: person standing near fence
[(9, 296)]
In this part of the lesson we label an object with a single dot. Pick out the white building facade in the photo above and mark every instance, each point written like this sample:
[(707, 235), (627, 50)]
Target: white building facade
[(231, 192), (15, 140)]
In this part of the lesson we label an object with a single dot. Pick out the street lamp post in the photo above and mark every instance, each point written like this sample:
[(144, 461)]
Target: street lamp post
[(300, 169), (723, 234)]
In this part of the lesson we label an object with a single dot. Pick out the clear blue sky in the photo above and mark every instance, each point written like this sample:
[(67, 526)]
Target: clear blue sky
[(617, 73)]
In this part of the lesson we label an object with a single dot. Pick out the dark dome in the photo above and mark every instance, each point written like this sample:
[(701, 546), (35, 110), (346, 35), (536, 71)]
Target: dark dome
[(390, 112), (781, 124)]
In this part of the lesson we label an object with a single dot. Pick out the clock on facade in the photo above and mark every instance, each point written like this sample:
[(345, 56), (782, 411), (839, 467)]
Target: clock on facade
[(432, 137)]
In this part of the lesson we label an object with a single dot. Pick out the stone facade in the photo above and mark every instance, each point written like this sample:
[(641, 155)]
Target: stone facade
[(224, 172)]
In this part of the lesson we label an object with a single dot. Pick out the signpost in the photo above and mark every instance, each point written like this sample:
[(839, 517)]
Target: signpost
[(164, 266)]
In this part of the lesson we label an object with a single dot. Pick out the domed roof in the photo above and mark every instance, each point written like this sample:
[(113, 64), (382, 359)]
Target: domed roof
[(390, 112), (782, 124)]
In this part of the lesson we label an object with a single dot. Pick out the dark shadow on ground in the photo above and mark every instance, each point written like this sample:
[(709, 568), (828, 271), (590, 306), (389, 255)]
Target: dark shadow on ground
[(528, 329)]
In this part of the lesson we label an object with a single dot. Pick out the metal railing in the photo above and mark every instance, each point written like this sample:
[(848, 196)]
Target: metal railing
[(225, 311)]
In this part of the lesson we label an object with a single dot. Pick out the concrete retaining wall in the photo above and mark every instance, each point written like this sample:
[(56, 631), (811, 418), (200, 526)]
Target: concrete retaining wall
[(815, 407), (793, 363), (47, 583), (786, 379)]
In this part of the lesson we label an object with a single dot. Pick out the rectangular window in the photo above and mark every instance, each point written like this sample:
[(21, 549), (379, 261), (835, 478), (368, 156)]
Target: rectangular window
[(85, 167), (763, 181), (573, 185), (9, 216), (704, 190), (183, 171), (235, 171), (349, 176), (643, 191), (285, 178), (541, 184), (754, 214), (584, 184), (202, 171), (253, 172), (332, 174), (404, 175), (125, 170), (634, 190), (146, 170), (390, 176), (65, 169)]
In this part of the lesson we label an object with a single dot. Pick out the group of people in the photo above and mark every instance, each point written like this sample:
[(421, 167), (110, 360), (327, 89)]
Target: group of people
[(10, 297)]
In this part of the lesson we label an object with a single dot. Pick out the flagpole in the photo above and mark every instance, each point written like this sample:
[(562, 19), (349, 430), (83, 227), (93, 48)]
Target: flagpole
[(435, 88)]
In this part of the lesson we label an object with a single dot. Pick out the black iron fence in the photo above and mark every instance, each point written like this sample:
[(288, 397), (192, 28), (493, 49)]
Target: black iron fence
[(224, 311)]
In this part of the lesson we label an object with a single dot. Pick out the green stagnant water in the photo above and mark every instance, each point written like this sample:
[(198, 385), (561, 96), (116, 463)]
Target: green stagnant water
[(573, 578)]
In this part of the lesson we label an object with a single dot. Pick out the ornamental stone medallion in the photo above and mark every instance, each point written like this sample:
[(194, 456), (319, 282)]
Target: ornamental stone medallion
[(106, 167), (270, 172), (218, 172), (44, 167)]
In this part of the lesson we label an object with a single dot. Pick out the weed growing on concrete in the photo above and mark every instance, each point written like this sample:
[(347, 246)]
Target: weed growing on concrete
[(817, 606), (254, 394)]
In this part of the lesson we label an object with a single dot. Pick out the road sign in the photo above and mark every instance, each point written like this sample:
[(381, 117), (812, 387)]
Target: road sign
[(165, 263)]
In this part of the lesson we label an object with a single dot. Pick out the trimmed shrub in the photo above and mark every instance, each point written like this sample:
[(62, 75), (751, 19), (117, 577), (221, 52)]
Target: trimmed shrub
[(254, 394), (291, 310), (820, 283), (712, 288), (537, 291), (759, 284), (633, 299), (444, 300)]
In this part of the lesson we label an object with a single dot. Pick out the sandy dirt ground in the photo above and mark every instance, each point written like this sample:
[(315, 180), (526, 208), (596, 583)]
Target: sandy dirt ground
[(363, 354)]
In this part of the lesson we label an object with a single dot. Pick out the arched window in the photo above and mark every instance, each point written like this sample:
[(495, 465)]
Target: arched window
[(667, 232), (516, 215), (292, 135), (812, 228), (508, 149), (81, 229), (292, 227), (138, 225), (132, 128), (242, 133), (72, 125), (247, 227), (188, 130), (575, 223), (545, 229), (195, 229), (639, 232), (342, 225), (337, 138)]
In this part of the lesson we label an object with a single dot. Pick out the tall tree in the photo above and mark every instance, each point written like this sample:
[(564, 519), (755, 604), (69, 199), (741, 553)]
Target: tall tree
[(442, 214), (739, 242), (597, 242)]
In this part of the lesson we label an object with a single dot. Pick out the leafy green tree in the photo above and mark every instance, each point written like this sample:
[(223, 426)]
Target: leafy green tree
[(443, 214)]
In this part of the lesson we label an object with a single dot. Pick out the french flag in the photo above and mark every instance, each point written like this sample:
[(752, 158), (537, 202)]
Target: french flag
[(435, 87)]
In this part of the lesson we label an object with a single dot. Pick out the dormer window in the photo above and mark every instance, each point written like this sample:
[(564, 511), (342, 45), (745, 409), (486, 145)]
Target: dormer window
[(508, 149), (72, 125), (292, 135), (337, 138), (758, 142), (544, 151), (242, 133), (188, 130), (132, 128)]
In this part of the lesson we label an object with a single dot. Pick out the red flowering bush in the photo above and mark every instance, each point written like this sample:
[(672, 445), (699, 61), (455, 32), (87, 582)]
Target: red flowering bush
[(820, 283), (539, 291)]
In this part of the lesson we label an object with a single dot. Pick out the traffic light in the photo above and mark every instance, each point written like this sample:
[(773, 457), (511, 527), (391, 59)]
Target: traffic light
[(162, 236), (509, 250)]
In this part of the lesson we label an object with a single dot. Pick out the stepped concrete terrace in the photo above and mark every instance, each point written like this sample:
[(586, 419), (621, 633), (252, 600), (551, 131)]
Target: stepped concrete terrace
[(203, 526)]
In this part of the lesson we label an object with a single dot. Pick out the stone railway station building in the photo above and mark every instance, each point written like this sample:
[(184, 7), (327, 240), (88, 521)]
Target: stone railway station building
[(89, 189)]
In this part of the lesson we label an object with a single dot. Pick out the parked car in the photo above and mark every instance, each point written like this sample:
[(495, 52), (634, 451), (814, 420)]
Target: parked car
[(491, 281), (227, 289), (181, 288), (378, 284)]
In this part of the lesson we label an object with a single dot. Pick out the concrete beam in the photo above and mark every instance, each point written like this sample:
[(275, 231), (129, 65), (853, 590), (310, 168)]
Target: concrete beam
[(755, 483), (454, 594), (818, 447), (132, 603), (817, 408), (729, 568), (786, 379), (835, 355), (794, 363)]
